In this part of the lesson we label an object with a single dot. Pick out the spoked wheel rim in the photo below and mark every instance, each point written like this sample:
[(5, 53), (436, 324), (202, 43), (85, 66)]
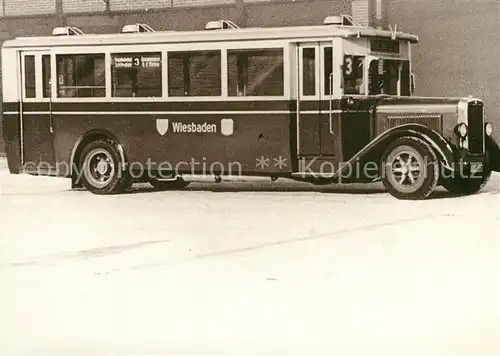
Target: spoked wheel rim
[(99, 168), (406, 169)]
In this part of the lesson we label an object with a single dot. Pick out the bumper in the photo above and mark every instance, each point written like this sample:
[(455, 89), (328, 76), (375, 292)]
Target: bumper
[(471, 165), (493, 151)]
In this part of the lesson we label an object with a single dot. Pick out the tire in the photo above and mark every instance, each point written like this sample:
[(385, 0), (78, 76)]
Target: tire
[(177, 184), (410, 169), (101, 168)]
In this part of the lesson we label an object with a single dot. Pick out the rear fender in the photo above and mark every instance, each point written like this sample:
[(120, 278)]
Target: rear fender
[(92, 136)]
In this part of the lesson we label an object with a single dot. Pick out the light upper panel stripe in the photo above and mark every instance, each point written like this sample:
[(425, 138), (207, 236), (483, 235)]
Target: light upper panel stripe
[(253, 112)]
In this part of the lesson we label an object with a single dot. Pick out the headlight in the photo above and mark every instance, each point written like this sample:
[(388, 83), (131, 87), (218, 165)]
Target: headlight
[(488, 128), (461, 130)]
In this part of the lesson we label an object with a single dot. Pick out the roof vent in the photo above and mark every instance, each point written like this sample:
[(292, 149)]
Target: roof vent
[(342, 20), (220, 25), (136, 28), (67, 31)]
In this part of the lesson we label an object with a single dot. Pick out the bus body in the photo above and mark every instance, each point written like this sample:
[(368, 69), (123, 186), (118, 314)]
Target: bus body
[(325, 104)]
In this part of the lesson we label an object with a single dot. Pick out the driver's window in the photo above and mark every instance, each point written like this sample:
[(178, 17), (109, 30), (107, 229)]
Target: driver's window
[(383, 77)]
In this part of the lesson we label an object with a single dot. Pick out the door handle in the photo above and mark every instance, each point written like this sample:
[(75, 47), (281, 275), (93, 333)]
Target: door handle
[(330, 114), (51, 127)]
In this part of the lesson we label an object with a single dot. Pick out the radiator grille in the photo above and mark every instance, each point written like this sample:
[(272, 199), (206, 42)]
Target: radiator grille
[(475, 128), (433, 121)]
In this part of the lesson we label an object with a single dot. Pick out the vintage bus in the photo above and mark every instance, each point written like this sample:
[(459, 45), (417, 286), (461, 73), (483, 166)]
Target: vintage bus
[(324, 104)]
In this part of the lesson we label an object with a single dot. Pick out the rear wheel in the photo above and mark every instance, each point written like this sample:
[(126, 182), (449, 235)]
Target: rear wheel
[(410, 168), (101, 169)]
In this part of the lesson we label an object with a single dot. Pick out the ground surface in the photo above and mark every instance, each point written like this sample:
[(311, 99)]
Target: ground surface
[(224, 269)]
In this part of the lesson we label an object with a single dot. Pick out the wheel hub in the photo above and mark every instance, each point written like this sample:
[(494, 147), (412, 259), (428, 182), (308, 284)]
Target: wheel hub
[(102, 166), (406, 169)]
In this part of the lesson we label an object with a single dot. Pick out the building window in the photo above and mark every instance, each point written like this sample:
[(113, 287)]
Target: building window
[(255, 72), (29, 77), (81, 76), (136, 75), (194, 73), (46, 82)]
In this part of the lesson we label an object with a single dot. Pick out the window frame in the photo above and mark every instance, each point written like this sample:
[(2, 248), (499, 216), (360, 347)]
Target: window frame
[(317, 65), (38, 53), (109, 86), (182, 97), (93, 98), (80, 50), (255, 49), (224, 47), (285, 45), (32, 74)]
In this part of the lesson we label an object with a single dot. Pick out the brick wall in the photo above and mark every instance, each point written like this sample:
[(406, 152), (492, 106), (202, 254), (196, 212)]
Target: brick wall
[(124, 5), (33, 7), (83, 5), (181, 3), (293, 13), (121, 5)]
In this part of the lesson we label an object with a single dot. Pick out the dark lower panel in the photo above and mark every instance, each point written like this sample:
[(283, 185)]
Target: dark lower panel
[(309, 138), (253, 143), (11, 135), (356, 132), (330, 134), (38, 142)]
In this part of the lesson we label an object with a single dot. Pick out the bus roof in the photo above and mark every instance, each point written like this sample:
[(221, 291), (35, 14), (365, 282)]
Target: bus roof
[(239, 34)]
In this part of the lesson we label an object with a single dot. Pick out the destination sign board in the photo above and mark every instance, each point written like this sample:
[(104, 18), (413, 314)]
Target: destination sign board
[(149, 60)]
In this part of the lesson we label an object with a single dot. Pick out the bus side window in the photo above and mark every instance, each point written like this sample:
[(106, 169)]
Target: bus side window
[(46, 82), (194, 73), (257, 72), (136, 74), (29, 77), (81, 75)]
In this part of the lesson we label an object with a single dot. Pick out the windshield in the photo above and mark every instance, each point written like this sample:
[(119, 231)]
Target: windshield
[(386, 76)]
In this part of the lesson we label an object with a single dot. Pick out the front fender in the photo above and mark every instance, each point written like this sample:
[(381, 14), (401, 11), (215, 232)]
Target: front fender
[(374, 150), (493, 154)]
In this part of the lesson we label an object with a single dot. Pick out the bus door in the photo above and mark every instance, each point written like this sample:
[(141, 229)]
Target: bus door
[(36, 112), (317, 109)]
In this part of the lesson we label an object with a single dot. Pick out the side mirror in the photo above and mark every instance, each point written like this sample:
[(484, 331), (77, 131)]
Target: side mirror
[(412, 83)]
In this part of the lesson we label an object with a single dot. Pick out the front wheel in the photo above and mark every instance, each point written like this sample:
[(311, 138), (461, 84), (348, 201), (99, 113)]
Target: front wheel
[(410, 169)]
